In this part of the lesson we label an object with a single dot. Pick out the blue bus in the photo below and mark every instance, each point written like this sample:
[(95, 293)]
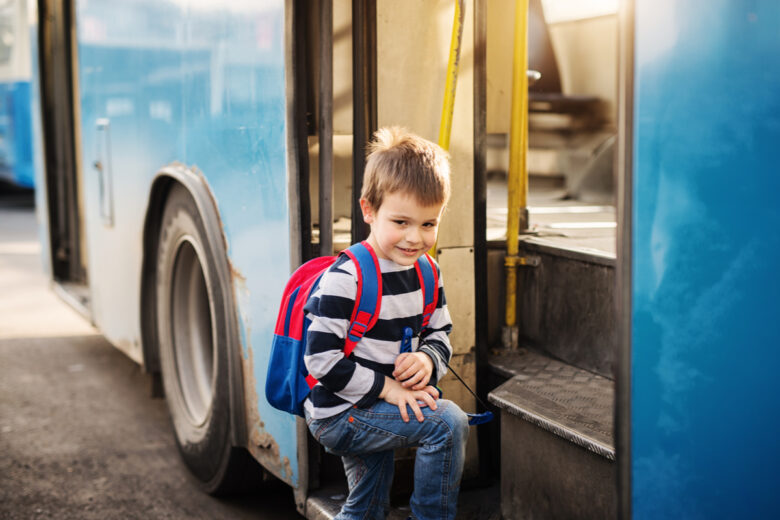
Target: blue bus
[(16, 152), (191, 153)]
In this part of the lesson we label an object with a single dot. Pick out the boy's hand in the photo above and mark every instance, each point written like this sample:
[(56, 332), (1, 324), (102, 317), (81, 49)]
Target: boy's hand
[(396, 394), (413, 370)]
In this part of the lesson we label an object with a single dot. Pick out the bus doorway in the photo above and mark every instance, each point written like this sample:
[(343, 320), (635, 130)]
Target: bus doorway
[(56, 83)]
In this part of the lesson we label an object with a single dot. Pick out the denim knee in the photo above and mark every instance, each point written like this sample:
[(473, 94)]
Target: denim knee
[(456, 420), (461, 425)]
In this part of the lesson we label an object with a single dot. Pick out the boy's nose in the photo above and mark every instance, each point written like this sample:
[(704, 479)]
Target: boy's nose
[(413, 236)]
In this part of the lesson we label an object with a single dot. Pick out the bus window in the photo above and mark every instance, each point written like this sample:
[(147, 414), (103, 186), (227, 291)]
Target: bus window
[(7, 17)]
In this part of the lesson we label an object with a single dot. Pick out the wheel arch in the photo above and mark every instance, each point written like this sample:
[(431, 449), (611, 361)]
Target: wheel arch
[(197, 186)]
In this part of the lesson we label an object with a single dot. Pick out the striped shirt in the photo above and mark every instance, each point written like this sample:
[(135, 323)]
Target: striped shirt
[(359, 379)]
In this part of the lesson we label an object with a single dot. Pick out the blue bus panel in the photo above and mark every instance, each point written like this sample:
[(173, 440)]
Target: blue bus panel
[(16, 160), (705, 327), (200, 84)]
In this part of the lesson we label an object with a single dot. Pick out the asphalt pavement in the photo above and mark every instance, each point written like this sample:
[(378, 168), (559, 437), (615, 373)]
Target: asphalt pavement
[(80, 436)]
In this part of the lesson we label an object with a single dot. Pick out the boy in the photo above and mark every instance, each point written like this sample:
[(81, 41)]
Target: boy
[(359, 408)]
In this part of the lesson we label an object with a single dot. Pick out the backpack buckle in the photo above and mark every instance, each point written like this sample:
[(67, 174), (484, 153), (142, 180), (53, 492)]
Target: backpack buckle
[(359, 326), (357, 330), (426, 319)]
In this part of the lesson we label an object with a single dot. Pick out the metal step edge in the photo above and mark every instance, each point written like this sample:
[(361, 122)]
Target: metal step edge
[(582, 254), (553, 248), (325, 503), (320, 505), (76, 295), (474, 503), (504, 401)]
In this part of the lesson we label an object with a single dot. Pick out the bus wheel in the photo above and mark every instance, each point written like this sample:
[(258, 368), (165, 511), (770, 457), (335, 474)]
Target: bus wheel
[(193, 334)]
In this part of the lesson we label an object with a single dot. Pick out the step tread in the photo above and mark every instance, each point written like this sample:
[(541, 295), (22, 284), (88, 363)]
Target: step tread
[(473, 504), (572, 403)]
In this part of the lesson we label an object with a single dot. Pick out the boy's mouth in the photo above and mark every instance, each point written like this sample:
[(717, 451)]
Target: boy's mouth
[(408, 252)]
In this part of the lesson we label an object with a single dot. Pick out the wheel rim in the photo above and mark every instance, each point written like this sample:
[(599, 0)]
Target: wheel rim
[(191, 330)]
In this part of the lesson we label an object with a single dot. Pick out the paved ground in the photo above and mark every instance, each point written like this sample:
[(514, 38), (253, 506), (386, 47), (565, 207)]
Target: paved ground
[(79, 435)]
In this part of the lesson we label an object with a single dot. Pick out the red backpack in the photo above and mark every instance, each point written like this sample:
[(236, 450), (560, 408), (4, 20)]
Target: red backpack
[(288, 382)]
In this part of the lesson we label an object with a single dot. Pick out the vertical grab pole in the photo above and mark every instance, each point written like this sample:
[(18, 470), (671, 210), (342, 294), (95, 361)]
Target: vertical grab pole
[(448, 106), (363, 102), (517, 182), (451, 82), (326, 127)]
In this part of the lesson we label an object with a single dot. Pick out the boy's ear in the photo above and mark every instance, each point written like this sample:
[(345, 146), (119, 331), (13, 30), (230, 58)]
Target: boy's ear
[(368, 211)]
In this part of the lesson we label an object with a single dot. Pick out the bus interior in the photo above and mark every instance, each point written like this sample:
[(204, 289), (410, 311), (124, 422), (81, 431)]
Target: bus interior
[(562, 370)]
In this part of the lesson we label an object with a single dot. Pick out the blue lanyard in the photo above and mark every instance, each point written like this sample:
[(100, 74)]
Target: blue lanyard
[(406, 342), (474, 418)]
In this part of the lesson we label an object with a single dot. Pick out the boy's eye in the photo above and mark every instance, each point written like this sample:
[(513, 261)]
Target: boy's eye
[(400, 222), (429, 224)]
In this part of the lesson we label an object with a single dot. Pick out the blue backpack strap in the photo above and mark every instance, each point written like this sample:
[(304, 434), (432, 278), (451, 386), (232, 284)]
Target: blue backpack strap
[(368, 300), (429, 281)]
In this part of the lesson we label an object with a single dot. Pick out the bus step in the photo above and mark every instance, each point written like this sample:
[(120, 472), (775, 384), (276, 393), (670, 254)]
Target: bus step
[(325, 503), (565, 306), (557, 448), (473, 504)]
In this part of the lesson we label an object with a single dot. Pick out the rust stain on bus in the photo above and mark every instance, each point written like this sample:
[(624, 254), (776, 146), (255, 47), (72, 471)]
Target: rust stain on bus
[(237, 276), (262, 444)]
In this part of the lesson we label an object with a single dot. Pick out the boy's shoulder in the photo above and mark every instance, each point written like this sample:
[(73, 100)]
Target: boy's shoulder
[(342, 268), (343, 263)]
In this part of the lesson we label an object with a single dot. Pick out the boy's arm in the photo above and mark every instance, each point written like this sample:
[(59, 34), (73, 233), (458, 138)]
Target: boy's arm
[(330, 309), (424, 367), (435, 340)]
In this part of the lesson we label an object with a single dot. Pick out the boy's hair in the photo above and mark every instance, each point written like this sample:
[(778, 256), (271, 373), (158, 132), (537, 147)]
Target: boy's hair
[(399, 160)]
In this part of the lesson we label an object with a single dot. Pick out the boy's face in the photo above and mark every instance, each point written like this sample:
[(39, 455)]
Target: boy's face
[(401, 229)]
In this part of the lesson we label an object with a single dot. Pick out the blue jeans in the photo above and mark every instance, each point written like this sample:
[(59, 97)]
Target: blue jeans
[(365, 439)]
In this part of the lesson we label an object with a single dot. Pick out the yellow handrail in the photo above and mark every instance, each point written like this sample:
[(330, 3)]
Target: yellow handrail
[(517, 182), (448, 108), (445, 128)]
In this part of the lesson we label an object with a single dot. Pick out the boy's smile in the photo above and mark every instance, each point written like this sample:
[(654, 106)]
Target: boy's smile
[(402, 230)]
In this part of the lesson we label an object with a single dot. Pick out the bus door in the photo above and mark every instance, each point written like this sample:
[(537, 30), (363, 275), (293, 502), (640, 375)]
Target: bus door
[(62, 181), (698, 412)]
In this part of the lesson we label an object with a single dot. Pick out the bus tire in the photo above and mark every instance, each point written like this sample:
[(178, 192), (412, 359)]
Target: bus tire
[(194, 349)]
